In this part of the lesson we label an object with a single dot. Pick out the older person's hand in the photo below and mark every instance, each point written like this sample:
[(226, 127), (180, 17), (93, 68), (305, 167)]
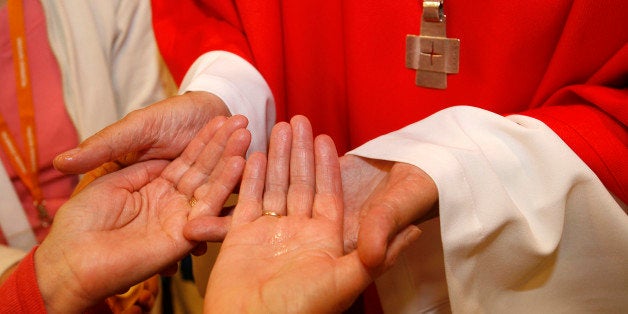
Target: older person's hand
[(160, 131), (383, 200), (127, 226)]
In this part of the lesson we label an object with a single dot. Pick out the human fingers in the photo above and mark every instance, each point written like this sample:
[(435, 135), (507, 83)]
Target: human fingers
[(140, 297), (360, 177), (396, 246), (159, 131), (353, 279), (208, 189), (231, 139), (328, 198), (98, 209), (209, 198), (405, 196), (146, 300), (302, 170), (278, 168), (249, 205), (207, 228), (184, 162), (199, 249), (187, 158)]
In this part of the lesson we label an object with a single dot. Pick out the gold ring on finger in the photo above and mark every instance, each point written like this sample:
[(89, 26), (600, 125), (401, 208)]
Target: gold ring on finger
[(270, 213)]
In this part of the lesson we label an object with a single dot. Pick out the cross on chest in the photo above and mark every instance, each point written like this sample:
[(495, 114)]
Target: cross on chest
[(431, 53)]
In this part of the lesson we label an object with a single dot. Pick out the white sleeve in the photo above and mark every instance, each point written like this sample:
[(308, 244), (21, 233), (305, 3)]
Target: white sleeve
[(526, 226), (240, 86)]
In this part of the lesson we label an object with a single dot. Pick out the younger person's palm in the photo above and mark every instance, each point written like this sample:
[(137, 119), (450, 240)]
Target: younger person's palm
[(294, 263)]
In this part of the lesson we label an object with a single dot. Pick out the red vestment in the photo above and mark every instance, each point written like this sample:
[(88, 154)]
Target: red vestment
[(20, 293), (341, 63)]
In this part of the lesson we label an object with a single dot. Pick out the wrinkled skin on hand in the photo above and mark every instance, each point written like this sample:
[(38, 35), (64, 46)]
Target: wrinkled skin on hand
[(126, 226), (160, 131), (383, 200)]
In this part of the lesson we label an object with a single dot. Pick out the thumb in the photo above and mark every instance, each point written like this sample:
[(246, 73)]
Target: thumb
[(120, 141), (354, 279), (406, 195), (161, 130)]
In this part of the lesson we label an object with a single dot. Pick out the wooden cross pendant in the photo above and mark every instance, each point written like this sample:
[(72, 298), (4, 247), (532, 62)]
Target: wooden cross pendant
[(431, 53)]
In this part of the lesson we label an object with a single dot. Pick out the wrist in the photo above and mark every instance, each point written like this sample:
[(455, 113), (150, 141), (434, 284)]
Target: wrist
[(55, 281)]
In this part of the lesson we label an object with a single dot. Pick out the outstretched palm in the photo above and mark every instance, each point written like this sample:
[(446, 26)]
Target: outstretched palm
[(294, 263), (291, 264)]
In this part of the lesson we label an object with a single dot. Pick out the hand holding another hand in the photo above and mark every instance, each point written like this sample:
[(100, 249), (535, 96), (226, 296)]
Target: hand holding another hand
[(292, 258), (383, 200), (160, 131), (126, 226)]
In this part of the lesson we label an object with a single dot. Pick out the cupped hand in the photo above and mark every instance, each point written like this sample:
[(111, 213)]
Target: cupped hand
[(383, 200), (159, 131), (128, 225)]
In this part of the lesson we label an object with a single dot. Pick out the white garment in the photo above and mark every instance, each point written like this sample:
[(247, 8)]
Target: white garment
[(526, 226), (240, 86), (109, 63)]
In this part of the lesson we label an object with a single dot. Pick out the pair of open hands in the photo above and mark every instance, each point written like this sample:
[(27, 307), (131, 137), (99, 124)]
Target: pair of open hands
[(132, 223)]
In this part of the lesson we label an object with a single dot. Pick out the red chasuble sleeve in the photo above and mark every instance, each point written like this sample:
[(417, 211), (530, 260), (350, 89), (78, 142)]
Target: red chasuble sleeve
[(584, 95), (341, 63), (599, 138), (20, 293), (186, 29)]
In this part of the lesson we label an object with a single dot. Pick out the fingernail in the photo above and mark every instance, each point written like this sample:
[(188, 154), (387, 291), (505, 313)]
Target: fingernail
[(413, 234), (70, 154)]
